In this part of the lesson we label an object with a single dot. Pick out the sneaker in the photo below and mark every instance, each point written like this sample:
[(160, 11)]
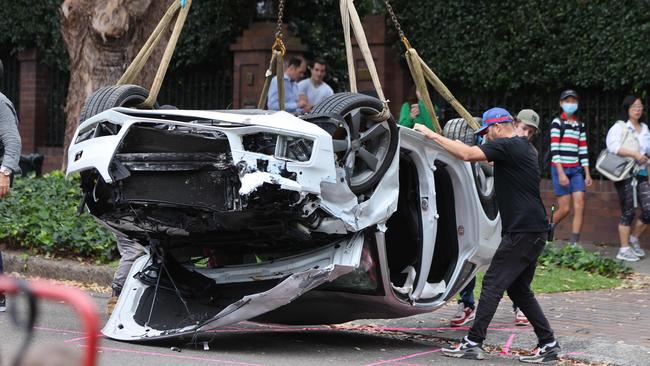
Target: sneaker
[(627, 254), (520, 318), (463, 315), (636, 248), (465, 350), (3, 303), (543, 354)]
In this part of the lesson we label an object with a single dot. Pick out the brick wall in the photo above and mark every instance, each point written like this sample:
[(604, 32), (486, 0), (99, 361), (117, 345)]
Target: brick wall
[(602, 212)]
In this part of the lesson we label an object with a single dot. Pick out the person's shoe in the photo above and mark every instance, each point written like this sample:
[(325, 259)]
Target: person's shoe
[(543, 354), (110, 305), (463, 316), (520, 318), (627, 254), (465, 350), (636, 248), (3, 303)]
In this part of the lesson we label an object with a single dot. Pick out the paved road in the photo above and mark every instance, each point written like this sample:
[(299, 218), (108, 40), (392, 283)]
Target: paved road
[(246, 344)]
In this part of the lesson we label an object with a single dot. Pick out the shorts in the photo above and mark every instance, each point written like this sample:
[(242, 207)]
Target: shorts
[(576, 181)]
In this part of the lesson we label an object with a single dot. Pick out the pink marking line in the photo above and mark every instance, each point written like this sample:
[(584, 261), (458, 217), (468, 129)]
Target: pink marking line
[(59, 330), (178, 357), (357, 328), (506, 347), (81, 338), (406, 364), (394, 360)]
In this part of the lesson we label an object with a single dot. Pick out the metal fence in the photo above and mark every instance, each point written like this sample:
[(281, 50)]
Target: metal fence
[(10, 83), (57, 94), (598, 110), (204, 87)]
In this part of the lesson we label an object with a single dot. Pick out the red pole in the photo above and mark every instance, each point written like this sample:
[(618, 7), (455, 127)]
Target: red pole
[(80, 301)]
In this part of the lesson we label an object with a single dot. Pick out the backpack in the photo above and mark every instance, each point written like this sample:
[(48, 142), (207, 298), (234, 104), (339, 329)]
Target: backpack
[(547, 143)]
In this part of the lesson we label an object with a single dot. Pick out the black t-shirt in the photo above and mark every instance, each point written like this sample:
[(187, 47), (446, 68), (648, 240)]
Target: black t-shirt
[(516, 181)]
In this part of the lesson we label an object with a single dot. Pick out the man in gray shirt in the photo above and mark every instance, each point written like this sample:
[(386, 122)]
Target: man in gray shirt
[(313, 90), (10, 151)]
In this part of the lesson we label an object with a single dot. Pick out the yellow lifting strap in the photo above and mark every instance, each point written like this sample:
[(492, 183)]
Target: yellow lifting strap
[(420, 72), (350, 18), (181, 8)]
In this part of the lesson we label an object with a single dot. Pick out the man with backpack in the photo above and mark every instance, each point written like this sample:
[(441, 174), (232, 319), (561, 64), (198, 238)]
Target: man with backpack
[(569, 163)]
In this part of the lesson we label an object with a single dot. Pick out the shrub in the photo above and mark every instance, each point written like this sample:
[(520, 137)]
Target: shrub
[(40, 215), (577, 258)]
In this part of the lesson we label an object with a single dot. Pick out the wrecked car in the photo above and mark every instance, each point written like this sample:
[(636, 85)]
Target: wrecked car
[(269, 217)]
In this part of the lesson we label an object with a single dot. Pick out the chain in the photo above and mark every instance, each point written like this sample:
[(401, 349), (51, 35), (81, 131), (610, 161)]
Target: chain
[(278, 31), (393, 17)]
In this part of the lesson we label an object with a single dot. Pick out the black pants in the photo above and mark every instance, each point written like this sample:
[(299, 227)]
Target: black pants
[(512, 269)]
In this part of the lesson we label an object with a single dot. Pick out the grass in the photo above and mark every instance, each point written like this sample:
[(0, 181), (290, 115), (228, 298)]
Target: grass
[(557, 279)]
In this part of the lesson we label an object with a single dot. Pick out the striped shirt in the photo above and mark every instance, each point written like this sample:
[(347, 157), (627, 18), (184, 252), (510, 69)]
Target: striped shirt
[(571, 151)]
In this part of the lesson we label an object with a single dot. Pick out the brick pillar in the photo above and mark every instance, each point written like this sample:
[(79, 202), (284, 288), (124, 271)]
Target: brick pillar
[(251, 57), (33, 93)]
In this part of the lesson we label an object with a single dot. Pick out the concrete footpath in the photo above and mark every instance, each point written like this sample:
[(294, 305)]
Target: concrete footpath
[(606, 327)]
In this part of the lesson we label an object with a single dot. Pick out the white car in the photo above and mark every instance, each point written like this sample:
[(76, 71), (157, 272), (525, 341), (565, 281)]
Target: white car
[(265, 216)]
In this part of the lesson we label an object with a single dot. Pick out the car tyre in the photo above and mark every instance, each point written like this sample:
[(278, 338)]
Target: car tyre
[(372, 144), (129, 96), (458, 129)]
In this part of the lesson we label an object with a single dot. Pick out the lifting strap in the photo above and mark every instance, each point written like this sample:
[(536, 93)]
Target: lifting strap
[(350, 18), (276, 65), (181, 7), (420, 72)]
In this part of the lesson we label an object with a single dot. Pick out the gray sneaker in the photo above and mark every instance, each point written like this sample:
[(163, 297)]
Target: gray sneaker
[(627, 254), (465, 350), (636, 248)]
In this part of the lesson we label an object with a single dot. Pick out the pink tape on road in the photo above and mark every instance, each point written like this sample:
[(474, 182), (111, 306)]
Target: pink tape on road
[(81, 338), (59, 330), (178, 357), (506, 347), (383, 362)]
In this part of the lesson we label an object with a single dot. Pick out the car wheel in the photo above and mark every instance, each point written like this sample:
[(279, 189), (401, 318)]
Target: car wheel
[(372, 145), (108, 97), (458, 129)]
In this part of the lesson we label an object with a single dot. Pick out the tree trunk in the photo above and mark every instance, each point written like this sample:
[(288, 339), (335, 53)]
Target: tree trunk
[(102, 38)]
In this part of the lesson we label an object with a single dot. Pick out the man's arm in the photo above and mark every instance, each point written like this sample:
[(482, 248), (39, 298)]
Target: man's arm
[(454, 147), (11, 141)]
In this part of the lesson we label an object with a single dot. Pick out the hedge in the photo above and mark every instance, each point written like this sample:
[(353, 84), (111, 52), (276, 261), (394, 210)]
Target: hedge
[(40, 215)]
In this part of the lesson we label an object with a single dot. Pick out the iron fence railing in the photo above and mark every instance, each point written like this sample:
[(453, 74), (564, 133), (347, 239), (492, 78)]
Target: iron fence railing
[(57, 93), (10, 83), (197, 88), (598, 110)]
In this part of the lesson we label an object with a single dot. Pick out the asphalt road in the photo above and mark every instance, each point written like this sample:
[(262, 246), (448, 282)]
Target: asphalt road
[(244, 344)]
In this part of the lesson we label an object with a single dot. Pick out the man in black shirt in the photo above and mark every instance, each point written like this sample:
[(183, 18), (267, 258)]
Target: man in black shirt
[(524, 230)]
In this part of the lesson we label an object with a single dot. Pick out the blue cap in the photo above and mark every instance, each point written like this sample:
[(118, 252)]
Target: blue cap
[(493, 116)]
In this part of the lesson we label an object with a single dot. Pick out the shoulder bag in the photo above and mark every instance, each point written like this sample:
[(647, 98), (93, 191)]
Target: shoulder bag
[(615, 167)]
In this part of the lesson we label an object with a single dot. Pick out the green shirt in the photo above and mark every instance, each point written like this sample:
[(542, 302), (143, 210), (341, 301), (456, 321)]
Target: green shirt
[(423, 118)]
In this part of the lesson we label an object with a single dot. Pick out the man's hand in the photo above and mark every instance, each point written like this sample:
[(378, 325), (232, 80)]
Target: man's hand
[(424, 130), (564, 180), (4, 185), (415, 111)]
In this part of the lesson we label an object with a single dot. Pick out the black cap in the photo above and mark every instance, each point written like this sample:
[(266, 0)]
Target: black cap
[(568, 93)]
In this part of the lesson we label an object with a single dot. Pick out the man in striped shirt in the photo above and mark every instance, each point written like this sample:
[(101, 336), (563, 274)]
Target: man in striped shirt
[(569, 163)]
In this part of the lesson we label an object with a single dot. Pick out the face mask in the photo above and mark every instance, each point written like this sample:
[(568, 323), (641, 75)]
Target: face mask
[(569, 108)]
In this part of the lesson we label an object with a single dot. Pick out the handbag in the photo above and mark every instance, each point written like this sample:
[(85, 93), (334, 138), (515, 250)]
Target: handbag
[(615, 167)]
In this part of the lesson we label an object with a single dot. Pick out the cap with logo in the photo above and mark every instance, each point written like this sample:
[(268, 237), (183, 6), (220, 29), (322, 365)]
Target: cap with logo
[(493, 116), (529, 117), (568, 93)]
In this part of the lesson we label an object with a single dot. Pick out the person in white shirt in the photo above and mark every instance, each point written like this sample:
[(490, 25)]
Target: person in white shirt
[(313, 90), (630, 122)]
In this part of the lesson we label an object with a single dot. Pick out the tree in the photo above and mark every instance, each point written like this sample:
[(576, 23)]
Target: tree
[(102, 37)]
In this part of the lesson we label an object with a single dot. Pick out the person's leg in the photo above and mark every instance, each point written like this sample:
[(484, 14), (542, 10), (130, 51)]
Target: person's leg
[(626, 201), (644, 220), (505, 268), (638, 229), (3, 299), (578, 199), (465, 312), (129, 250), (467, 294), (2, 268), (563, 194), (522, 294)]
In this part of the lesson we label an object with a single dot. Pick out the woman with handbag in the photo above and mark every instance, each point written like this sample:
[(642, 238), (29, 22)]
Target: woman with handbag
[(629, 137)]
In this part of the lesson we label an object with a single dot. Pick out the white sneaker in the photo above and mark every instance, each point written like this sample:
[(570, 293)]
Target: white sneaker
[(636, 248), (627, 254)]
